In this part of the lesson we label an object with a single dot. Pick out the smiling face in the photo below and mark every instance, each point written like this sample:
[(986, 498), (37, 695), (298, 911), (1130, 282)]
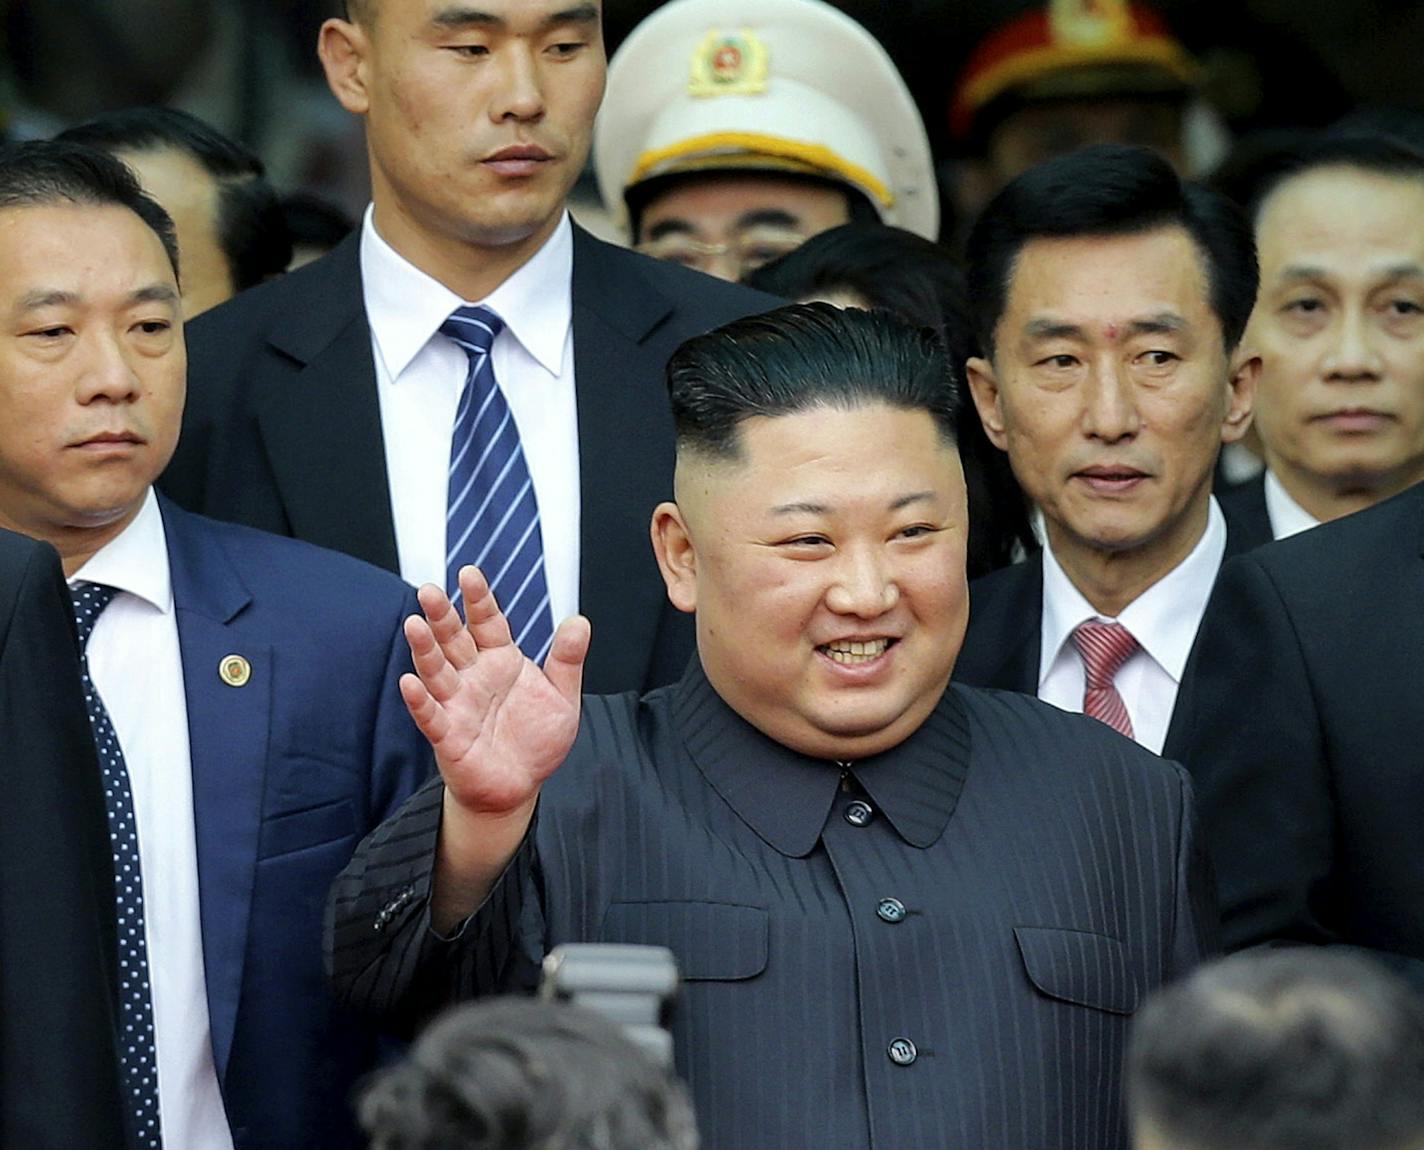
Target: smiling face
[(1112, 393), (91, 370), (827, 574), (478, 115), (1339, 324)]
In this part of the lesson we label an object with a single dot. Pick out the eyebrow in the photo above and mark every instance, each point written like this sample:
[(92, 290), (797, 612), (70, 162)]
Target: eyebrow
[(672, 227), (768, 217), (35, 300), (1402, 271), (1160, 323), (461, 17), (808, 508)]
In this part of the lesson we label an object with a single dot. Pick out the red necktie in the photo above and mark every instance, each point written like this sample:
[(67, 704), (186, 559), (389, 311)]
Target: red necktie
[(1104, 647)]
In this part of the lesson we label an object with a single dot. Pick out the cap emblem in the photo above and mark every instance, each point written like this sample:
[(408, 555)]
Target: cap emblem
[(1089, 21), (727, 64)]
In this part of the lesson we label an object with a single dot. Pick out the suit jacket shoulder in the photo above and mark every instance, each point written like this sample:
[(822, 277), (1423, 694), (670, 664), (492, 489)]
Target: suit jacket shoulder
[(1248, 524), (1001, 645)]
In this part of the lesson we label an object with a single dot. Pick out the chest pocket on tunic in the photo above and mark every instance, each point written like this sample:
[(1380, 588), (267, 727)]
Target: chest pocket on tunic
[(714, 941), (1080, 967)]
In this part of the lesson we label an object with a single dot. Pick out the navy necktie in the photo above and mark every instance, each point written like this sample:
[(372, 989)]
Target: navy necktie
[(492, 515), (138, 1055)]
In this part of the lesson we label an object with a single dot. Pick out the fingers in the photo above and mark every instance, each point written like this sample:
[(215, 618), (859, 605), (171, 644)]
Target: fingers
[(446, 626), (429, 716), (564, 665), (483, 618), (437, 674)]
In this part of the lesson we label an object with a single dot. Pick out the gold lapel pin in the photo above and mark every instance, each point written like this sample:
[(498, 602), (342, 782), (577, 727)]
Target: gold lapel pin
[(234, 670)]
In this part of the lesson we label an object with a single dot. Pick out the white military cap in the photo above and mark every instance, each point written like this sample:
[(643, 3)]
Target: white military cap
[(766, 85)]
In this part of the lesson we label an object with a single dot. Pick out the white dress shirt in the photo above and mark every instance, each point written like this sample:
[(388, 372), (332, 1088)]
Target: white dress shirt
[(135, 663), (1286, 515), (1163, 620), (419, 377)]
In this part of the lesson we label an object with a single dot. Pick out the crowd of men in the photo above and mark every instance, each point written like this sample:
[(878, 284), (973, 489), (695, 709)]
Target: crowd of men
[(876, 633)]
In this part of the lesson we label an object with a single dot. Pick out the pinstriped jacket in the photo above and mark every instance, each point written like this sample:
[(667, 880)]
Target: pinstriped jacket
[(937, 947)]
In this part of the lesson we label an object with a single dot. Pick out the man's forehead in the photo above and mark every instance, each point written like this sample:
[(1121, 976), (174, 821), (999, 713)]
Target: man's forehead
[(65, 253)]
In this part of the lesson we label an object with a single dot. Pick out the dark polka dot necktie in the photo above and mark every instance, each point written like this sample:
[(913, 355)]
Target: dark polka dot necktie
[(138, 1055)]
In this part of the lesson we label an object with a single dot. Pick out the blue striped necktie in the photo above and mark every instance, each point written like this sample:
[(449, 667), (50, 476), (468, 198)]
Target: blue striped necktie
[(492, 515), (138, 1056)]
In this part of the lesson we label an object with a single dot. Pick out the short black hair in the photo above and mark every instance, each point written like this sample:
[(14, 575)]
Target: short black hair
[(803, 357), (513, 1073), (1299, 1049), (923, 283), (40, 173), (251, 227), (1111, 190), (1372, 152)]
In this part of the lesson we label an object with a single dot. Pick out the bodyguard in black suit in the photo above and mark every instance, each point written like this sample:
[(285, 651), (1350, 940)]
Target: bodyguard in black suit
[(59, 1070), (475, 137), (1303, 728), (906, 914), (1110, 300)]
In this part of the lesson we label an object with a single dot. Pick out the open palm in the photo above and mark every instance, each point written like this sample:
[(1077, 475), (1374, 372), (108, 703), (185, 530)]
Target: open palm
[(499, 724)]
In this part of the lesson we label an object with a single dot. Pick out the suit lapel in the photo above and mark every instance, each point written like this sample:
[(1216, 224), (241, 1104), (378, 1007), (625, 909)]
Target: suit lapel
[(227, 736), (625, 436), (1013, 622), (322, 427)]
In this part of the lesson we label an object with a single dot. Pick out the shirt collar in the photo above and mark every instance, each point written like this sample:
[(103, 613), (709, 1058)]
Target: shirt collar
[(405, 306), (786, 797), (136, 560), (1286, 515), (1163, 619)]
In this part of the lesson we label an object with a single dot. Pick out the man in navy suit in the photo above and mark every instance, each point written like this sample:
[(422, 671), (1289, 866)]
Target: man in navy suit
[(241, 688), (324, 403)]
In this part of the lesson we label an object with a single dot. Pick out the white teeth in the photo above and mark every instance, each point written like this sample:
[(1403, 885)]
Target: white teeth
[(851, 653)]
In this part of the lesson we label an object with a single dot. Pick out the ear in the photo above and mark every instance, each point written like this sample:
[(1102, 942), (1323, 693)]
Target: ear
[(1241, 395), (984, 387), (343, 48), (676, 555)]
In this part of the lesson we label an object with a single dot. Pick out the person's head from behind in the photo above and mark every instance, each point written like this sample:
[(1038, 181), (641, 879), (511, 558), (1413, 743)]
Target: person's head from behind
[(92, 363), (516, 1074), (231, 231), (1339, 322), (877, 266), (820, 522), (1298, 1049), (1109, 301), (478, 117)]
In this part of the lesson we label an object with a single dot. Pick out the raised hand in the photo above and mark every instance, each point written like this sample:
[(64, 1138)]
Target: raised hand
[(499, 724)]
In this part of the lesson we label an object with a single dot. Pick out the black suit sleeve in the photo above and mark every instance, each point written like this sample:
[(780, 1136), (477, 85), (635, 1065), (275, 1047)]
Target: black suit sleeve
[(1257, 755), (59, 1083), (1196, 932), (383, 956)]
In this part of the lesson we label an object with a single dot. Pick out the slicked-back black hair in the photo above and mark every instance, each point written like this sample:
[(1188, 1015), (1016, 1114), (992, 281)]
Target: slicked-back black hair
[(1376, 153), (1300, 1049), (1111, 190), (39, 173), (251, 229), (803, 357)]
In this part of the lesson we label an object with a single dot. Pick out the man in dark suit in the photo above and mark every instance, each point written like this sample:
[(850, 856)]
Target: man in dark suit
[(1110, 299), (1340, 330), (906, 914), (1302, 727), (59, 1069), (242, 688), (325, 404)]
